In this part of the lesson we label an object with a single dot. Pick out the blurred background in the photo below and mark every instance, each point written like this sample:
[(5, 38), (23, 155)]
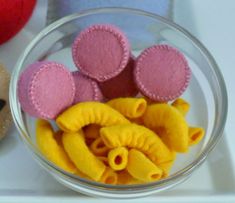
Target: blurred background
[(211, 21)]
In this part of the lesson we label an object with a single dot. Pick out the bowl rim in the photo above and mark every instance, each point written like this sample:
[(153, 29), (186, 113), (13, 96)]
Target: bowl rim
[(177, 177)]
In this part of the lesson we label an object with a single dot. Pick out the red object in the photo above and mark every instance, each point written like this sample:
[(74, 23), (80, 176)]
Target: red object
[(14, 14)]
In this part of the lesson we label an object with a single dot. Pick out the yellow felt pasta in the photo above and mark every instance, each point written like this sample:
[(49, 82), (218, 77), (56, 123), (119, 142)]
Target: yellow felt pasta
[(136, 136), (98, 147), (109, 176), (166, 167), (169, 124), (49, 147), (118, 158), (141, 168), (84, 113), (195, 135), (129, 107), (85, 161), (182, 105), (104, 159), (125, 178), (92, 131)]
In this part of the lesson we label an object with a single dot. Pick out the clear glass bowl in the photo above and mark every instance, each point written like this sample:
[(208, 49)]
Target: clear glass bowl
[(206, 92)]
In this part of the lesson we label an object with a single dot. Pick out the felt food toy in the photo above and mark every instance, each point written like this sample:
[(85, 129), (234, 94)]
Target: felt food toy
[(5, 113), (109, 176), (195, 135), (169, 124), (118, 158), (49, 147), (92, 131), (182, 105), (125, 178), (138, 137), (82, 157), (98, 147), (85, 113), (141, 168), (129, 107), (13, 16)]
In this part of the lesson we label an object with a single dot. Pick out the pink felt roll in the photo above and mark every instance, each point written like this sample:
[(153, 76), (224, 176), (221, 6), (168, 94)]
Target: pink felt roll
[(162, 73), (123, 85), (86, 89), (45, 89), (101, 51)]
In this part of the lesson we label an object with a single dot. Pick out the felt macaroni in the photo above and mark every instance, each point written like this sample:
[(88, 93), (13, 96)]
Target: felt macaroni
[(118, 158), (166, 167), (136, 136), (181, 105), (141, 168), (169, 124), (109, 176), (104, 159), (129, 107), (84, 113), (195, 135), (79, 153), (49, 147), (98, 147), (125, 178), (92, 131)]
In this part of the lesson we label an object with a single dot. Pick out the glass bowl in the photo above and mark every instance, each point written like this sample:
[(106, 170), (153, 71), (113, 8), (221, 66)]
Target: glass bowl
[(206, 92)]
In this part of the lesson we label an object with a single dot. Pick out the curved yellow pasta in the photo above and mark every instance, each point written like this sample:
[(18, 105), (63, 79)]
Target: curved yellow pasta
[(92, 131), (104, 159), (109, 176), (136, 136), (195, 135), (118, 158), (125, 178), (141, 168), (85, 161), (166, 167), (49, 147), (84, 113), (129, 107), (182, 105), (169, 124), (98, 147)]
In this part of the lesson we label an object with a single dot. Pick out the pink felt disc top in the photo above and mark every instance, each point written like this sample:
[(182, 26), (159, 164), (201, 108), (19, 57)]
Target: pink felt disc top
[(101, 51), (162, 73), (45, 89)]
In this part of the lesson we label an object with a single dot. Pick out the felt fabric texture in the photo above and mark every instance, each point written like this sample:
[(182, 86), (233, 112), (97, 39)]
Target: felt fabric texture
[(162, 73), (182, 105), (109, 176), (138, 137), (129, 107), (195, 135), (82, 157), (45, 89), (5, 112), (101, 51), (123, 85), (86, 89), (141, 168), (49, 147), (118, 158), (169, 124), (85, 113), (13, 16)]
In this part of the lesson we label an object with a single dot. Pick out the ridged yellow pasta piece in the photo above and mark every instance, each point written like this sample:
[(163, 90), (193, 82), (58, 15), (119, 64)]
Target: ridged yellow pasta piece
[(49, 147), (129, 107), (109, 176), (92, 131), (85, 161), (169, 124), (141, 168), (195, 135), (84, 113), (98, 147), (125, 178), (136, 136), (118, 158), (182, 105), (166, 167)]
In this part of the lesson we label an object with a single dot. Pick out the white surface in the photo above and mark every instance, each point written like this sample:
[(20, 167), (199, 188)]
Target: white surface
[(22, 180)]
